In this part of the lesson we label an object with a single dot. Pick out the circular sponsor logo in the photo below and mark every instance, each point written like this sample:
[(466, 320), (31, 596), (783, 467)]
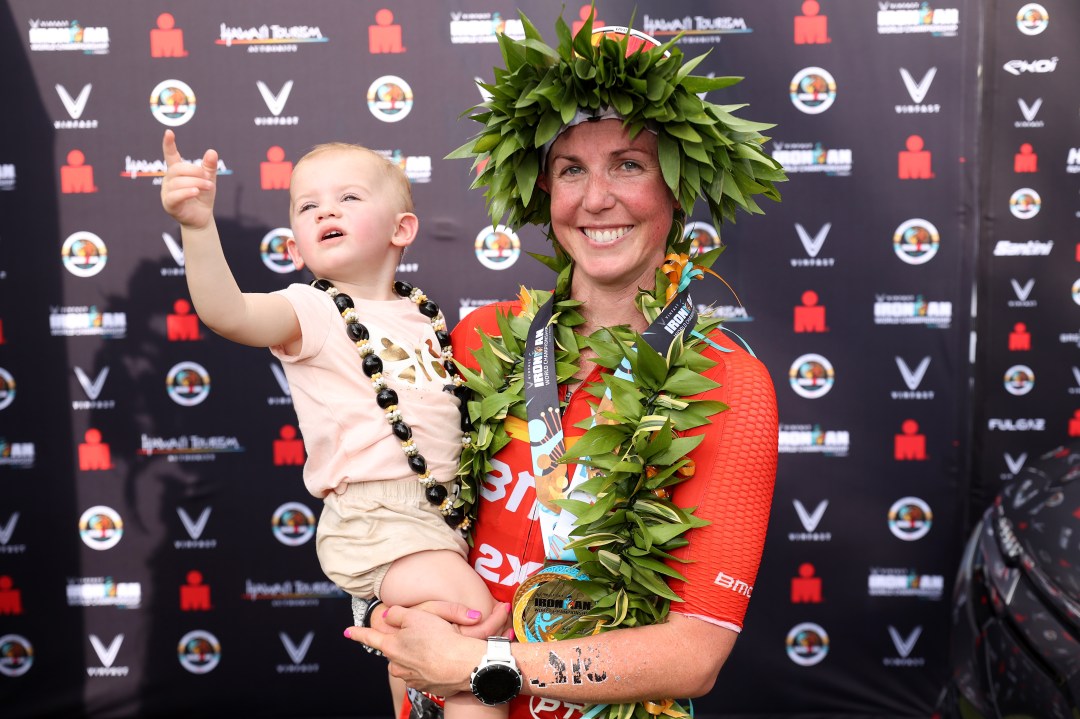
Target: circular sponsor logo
[(1019, 380), (636, 40), (1025, 203), (188, 383), (703, 238), (1032, 18), (811, 376), (172, 102), (16, 655), (1076, 292), (7, 388), (497, 247), (807, 644), (293, 524), (199, 651), (273, 253), (390, 98), (84, 254), (916, 241), (910, 518), (813, 90), (101, 528)]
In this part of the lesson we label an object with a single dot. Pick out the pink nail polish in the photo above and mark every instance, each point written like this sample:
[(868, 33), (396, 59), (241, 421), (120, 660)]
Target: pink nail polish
[(385, 613), (473, 614), (348, 634)]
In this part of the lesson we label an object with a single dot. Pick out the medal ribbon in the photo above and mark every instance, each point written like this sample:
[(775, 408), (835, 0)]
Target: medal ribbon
[(546, 438)]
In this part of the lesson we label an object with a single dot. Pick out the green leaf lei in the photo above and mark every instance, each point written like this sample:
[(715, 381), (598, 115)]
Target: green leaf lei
[(624, 541)]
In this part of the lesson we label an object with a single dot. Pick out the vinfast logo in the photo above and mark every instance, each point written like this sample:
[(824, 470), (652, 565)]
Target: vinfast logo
[(912, 380), (92, 388), (917, 91), (904, 646), (275, 103), (283, 385), (176, 251), (812, 244), (107, 656), (1019, 67), (74, 105), (1022, 424), (194, 528), (810, 520), (1030, 112), (1023, 292), (296, 653), (7, 530), (1076, 376), (1014, 464)]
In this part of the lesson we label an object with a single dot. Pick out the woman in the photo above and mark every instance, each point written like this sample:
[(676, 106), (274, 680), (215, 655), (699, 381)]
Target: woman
[(617, 349)]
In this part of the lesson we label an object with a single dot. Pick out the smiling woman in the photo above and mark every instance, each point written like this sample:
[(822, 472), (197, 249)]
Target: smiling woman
[(649, 438)]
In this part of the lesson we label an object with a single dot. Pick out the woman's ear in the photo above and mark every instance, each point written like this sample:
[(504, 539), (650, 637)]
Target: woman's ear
[(405, 232), (542, 182)]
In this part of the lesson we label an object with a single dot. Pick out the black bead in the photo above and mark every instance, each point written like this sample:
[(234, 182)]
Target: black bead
[(356, 331), (343, 302), (444, 338), (450, 367), (386, 397), (418, 464), (461, 392), (402, 431), (435, 494), (466, 423), (429, 309), (321, 285), (403, 288), (456, 516), (372, 365)]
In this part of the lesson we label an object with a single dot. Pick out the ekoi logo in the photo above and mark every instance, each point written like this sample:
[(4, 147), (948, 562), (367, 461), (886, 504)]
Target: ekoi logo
[(293, 524), (199, 651), (274, 253)]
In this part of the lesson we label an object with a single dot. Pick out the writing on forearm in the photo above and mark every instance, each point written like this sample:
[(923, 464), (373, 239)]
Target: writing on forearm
[(581, 670)]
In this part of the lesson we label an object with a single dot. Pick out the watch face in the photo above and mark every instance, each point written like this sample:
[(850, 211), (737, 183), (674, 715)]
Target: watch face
[(496, 683)]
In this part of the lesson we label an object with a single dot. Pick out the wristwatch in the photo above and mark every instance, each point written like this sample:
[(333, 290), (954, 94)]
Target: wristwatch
[(497, 679)]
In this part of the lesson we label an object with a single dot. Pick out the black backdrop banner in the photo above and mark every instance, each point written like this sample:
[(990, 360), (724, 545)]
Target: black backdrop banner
[(155, 553)]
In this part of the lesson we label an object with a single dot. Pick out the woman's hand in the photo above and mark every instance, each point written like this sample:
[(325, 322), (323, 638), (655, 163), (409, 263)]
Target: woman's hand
[(433, 647)]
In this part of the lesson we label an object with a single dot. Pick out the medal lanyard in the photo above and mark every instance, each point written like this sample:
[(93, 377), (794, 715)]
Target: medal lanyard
[(546, 437)]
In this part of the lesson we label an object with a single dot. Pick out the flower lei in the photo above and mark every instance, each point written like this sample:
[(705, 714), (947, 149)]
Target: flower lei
[(624, 540)]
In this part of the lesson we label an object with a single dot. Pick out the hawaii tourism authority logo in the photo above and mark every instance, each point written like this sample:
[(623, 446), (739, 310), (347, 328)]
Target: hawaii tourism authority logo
[(390, 99), (812, 90), (199, 651), (1019, 380), (172, 102), (807, 644), (910, 518), (293, 524), (497, 247), (1032, 19), (16, 655), (84, 254), (811, 376), (187, 383), (101, 528), (273, 250), (916, 241)]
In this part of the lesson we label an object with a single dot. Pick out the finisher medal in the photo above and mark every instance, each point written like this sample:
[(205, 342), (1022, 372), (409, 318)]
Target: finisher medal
[(549, 602)]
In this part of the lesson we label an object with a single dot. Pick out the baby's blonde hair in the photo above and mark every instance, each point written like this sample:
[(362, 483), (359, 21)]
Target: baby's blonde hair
[(391, 172)]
